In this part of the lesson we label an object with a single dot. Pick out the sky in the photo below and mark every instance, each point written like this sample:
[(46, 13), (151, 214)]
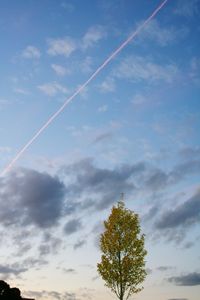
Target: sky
[(133, 129)]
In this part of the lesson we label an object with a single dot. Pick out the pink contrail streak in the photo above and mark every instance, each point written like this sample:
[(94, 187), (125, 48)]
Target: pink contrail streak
[(68, 100)]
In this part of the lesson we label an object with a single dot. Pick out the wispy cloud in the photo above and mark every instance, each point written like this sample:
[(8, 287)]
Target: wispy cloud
[(86, 65), (52, 89), (3, 102), (51, 295), (61, 46), (138, 68), (69, 7), (106, 136), (93, 36), (21, 91), (60, 70), (194, 71), (163, 36), (5, 150), (108, 85), (31, 52), (187, 8), (103, 108), (139, 100)]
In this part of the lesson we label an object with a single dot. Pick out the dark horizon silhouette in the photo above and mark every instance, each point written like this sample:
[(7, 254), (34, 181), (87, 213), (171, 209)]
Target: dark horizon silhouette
[(8, 293)]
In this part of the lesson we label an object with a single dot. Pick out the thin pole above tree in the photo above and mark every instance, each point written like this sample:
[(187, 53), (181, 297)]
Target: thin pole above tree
[(122, 265)]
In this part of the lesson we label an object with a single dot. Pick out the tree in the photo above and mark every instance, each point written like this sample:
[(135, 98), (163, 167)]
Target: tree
[(122, 265), (8, 293)]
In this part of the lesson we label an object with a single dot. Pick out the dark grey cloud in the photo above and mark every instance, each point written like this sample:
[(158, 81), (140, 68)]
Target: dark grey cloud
[(102, 185), (34, 263), (178, 299), (190, 279), (190, 153), (157, 180), (188, 245), (164, 268), (12, 269), (70, 270), (185, 214), (31, 197), (149, 271), (72, 226), (181, 171), (79, 244), (54, 295), (17, 269), (49, 244), (103, 137)]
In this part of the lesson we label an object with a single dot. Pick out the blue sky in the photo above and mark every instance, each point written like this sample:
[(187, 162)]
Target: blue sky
[(133, 129)]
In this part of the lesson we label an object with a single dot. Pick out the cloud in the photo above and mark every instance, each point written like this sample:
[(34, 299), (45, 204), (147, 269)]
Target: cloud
[(86, 65), (69, 7), (60, 70), (178, 299), (72, 226), (103, 185), (149, 271), (184, 215), (5, 150), (51, 295), (138, 68), (164, 268), (187, 8), (79, 244), (21, 91), (93, 36), (108, 85), (49, 245), (52, 89), (190, 152), (31, 52), (103, 137), (32, 262), (61, 46), (191, 279), (12, 269), (138, 100), (31, 197), (194, 71), (162, 36), (3, 102), (157, 180), (70, 270), (103, 108), (184, 169)]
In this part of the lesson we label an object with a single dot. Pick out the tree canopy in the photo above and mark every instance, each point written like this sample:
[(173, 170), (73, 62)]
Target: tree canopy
[(8, 293)]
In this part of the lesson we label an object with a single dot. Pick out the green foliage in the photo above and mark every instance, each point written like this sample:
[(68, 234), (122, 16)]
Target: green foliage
[(122, 265)]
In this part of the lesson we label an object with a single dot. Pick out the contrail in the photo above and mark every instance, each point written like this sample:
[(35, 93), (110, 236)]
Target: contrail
[(68, 100)]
